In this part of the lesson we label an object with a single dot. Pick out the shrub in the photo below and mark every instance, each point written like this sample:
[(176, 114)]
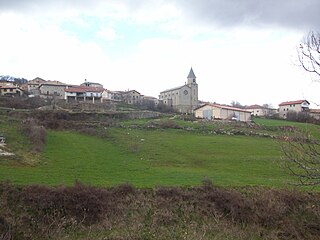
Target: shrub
[(35, 132)]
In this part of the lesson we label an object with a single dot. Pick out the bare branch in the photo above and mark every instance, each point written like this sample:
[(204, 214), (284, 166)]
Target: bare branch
[(309, 53), (302, 158)]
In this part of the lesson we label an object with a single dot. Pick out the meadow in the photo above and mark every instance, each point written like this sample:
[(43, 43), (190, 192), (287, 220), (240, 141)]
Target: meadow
[(168, 178), (153, 157)]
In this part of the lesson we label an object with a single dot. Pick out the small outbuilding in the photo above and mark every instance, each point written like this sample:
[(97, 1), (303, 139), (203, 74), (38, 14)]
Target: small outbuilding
[(216, 111)]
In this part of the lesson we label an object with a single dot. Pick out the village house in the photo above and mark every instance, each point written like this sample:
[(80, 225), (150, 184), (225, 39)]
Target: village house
[(33, 86), (112, 96), (183, 99), (52, 89), (216, 111), (295, 106), (46, 89), (91, 84), (315, 113), (146, 100), (260, 111), (132, 97), (7, 89), (83, 94)]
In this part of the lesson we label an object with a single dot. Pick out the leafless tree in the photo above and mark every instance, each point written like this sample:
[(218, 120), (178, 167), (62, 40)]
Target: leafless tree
[(302, 158), (236, 104), (301, 153), (309, 53)]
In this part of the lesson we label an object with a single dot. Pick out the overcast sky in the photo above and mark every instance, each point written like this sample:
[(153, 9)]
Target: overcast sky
[(240, 50)]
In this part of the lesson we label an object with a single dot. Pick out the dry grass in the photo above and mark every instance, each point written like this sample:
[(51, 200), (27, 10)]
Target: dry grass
[(124, 212)]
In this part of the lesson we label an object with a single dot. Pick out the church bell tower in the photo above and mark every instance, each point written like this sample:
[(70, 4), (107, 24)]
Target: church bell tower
[(192, 83), (191, 77)]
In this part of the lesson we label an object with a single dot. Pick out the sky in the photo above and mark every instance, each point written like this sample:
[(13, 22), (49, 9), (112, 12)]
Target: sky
[(240, 50)]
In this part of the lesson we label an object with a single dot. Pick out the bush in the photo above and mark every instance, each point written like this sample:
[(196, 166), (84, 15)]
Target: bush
[(35, 132), (123, 212)]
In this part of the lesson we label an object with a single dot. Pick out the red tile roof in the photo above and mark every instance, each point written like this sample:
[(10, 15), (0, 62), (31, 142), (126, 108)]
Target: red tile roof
[(293, 102), (83, 89)]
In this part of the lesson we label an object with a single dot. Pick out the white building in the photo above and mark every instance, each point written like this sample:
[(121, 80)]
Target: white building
[(216, 111), (295, 106)]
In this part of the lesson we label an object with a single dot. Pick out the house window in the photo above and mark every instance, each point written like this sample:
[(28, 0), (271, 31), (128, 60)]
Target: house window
[(11, 90), (47, 92)]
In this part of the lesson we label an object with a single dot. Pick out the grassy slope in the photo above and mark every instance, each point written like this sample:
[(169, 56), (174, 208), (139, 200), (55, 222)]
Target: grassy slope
[(310, 128), (170, 157)]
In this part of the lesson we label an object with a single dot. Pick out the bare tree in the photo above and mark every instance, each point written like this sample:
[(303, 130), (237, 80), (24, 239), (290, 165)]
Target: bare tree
[(301, 153), (309, 53), (236, 104), (302, 158)]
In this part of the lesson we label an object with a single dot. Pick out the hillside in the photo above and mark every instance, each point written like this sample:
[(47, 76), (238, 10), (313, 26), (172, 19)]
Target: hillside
[(146, 153), (93, 176)]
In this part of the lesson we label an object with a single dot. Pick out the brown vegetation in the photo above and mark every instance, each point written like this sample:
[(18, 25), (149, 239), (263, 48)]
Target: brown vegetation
[(35, 132), (124, 212)]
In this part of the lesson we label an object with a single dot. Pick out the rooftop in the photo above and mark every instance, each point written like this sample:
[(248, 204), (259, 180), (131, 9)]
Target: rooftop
[(293, 102)]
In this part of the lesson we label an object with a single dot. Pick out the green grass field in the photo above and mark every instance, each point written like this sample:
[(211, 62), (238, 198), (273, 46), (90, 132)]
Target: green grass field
[(148, 158), (170, 157)]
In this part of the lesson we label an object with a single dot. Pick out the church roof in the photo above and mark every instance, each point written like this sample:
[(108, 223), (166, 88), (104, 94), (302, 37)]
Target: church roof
[(173, 89), (191, 74)]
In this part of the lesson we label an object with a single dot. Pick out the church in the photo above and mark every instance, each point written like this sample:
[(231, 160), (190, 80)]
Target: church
[(183, 99)]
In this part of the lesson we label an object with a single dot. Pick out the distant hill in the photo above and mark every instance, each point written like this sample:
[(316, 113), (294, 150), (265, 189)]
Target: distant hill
[(12, 79)]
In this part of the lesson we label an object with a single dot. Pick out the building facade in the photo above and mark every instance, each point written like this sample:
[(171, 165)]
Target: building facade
[(33, 86), (221, 112), (52, 89), (10, 89), (132, 97), (83, 94), (183, 99), (295, 106)]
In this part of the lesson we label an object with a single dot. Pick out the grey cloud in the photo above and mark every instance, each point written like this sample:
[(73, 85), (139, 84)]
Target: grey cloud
[(296, 14), (257, 13), (39, 5)]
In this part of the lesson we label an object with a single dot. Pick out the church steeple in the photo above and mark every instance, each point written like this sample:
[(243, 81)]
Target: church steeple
[(191, 77)]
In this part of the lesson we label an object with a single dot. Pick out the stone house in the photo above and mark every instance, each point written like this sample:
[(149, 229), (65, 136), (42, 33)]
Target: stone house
[(10, 89), (52, 89), (33, 86), (132, 97)]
